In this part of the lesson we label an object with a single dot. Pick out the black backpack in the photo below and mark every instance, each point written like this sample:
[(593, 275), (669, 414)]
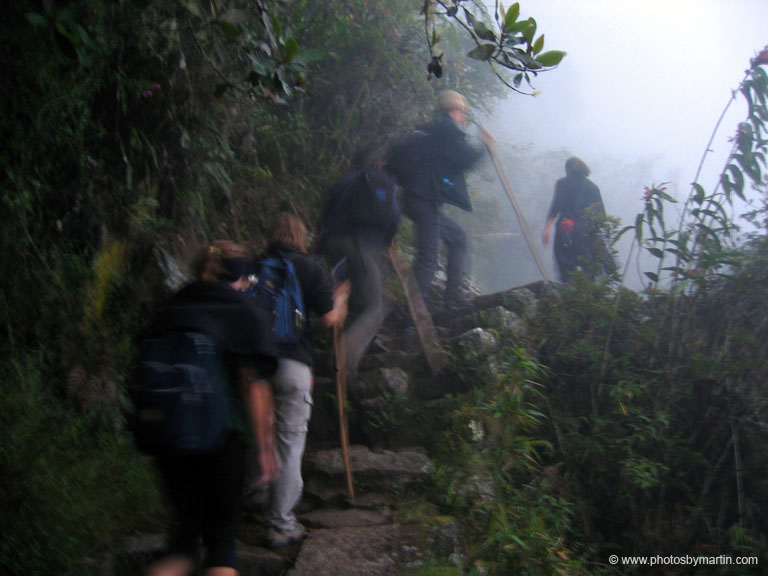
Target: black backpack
[(361, 200), (181, 395), (373, 202), (407, 156)]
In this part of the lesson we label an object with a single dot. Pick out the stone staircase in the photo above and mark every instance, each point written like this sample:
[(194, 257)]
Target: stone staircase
[(377, 534)]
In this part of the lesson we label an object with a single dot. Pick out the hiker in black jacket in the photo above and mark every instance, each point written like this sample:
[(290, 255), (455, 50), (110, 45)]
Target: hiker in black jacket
[(359, 221), (292, 383), (577, 207), (204, 489), (434, 175)]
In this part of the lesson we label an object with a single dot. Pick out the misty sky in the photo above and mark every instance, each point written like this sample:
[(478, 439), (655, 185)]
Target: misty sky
[(641, 80)]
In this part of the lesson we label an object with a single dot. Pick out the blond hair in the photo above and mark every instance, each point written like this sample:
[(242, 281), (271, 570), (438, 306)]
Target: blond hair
[(448, 100), (290, 229)]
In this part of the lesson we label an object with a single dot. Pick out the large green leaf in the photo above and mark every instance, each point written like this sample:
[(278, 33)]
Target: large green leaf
[(482, 52), (530, 31), (726, 183), (37, 20), (550, 58), (470, 17), (511, 16), (484, 32), (639, 227), (230, 30), (738, 178), (539, 44), (262, 66), (519, 26), (291, 48), (698, 193), (529, 61)]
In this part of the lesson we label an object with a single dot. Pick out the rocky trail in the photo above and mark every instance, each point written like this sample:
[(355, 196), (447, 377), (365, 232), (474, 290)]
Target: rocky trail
[(383, 532)]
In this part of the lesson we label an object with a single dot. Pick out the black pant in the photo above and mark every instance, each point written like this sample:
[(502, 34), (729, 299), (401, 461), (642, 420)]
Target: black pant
[(204, 492), (585, 251), (431, 227)]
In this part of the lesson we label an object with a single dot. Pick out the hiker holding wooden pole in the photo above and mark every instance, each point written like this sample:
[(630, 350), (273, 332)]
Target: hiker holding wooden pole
[(429, 164), (292, 384), (359, 220)]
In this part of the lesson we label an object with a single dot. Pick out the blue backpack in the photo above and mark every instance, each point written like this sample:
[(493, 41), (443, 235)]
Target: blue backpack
[(181, 395), (277, 290)]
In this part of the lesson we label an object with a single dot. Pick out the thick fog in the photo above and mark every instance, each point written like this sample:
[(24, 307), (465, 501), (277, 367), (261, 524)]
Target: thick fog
[(637, 98)]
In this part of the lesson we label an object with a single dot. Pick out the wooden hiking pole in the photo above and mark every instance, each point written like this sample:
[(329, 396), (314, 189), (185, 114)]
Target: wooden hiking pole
[(341, 397), (425, 328), (520, 216)]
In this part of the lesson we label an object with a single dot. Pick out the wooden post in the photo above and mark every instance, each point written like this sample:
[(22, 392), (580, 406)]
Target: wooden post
[(425, 328), (520, 216), (341, 396)]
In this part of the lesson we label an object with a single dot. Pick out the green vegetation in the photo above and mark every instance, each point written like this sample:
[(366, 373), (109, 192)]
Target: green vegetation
[(605, 451), (626, 423), (132, 131)]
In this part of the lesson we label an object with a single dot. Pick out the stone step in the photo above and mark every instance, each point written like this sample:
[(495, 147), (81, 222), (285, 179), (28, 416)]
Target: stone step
[(373, 471), (381, 550)]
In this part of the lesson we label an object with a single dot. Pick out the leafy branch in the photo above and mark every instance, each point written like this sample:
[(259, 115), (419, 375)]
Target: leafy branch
[(272, 63), (702, 243), (509, 47)]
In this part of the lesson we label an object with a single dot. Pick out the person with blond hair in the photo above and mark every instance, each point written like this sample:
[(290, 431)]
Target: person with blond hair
[(204, 489), (577, 207), (292, 383), (432, 174)]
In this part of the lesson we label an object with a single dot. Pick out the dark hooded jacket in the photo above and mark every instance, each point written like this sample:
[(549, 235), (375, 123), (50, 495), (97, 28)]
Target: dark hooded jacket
[(226, 315), (438, 157)]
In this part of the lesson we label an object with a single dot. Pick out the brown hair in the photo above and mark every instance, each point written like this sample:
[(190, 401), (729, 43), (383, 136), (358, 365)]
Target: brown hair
[(210, 263), (290, 229), (577, 166)]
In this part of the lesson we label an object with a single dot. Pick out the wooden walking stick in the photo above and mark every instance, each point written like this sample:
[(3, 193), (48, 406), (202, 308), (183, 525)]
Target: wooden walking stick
[(341, 397), (425, 328), (520, 216)]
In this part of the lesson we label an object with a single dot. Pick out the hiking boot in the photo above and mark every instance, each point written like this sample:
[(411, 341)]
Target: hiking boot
[(279, 538)]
